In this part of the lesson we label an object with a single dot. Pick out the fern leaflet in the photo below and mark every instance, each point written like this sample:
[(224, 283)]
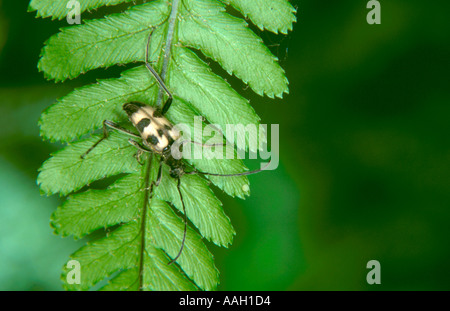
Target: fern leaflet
[(142, 222)]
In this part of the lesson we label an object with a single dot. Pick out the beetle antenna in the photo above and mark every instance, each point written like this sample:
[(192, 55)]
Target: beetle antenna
[(230, 175), (156, 75), (185, 224)]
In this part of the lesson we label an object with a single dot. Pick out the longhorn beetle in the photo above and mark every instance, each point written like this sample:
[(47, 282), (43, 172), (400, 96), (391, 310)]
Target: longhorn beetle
[(158, 136)]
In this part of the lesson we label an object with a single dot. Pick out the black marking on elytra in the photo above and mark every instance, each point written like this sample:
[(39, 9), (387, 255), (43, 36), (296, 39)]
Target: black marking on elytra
[(170, 140), (160, 132), (143, 124), (167, 127), (157, 114), (139, 104), (152, 139), (131, 108)]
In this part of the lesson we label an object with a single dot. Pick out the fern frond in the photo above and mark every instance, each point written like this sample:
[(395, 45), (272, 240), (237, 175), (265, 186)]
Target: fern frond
[(275, 16), (142, 225)]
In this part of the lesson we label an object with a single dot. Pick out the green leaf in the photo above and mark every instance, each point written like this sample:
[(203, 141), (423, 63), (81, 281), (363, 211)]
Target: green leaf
[(275, 16), (85, 108), (194, 81), (94, 209), (228, 41), (66, 171), (58, 9), (134, 226), (203, 208), (125, 247), (101, 43)]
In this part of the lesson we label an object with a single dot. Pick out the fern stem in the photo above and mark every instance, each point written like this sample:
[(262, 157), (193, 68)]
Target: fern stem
[(148, 190), (167, 49)]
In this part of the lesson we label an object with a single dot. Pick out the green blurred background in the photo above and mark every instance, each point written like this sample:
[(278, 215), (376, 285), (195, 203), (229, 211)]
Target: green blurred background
[(364, 150)]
